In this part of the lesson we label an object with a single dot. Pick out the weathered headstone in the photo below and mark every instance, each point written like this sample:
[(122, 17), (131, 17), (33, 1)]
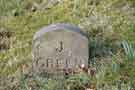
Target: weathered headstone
[(57, 47)]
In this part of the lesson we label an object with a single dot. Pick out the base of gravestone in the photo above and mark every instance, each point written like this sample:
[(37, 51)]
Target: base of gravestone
[(55, 76)]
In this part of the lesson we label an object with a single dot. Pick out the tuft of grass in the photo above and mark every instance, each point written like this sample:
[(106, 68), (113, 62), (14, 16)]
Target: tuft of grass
[(129, 51)]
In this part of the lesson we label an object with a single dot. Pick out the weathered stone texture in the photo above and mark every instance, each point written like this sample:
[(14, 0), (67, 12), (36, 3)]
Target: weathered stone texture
[(59, 46)]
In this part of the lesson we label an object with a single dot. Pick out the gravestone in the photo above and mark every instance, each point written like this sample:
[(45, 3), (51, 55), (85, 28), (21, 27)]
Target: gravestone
[(57, 47)]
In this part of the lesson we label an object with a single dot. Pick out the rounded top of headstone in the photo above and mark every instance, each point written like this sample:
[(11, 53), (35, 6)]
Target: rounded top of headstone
[(58, 26)]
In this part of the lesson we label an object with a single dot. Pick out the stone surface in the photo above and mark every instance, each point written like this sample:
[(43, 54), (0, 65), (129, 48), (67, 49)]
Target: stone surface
[(57, 47)]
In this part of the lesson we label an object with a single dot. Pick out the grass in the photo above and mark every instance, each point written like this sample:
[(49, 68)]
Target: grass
[(107, 22), (129, 51)]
